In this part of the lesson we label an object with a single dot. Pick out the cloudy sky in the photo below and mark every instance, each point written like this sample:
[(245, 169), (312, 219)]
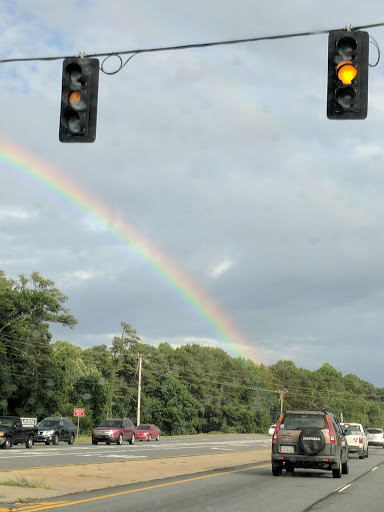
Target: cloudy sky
[(219, 204)]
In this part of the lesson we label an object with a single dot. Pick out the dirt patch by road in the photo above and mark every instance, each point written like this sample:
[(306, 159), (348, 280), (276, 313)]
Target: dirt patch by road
[(56, 481)]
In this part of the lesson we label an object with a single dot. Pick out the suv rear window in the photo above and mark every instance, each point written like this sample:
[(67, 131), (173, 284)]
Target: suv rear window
[(352, 431), (300, 421)]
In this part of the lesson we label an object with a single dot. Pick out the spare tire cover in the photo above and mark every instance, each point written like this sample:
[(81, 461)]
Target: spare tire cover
[(311, 440)]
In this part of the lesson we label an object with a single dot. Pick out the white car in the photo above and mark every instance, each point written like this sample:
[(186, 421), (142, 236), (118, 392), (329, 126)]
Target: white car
[(271, 430), (356, 439), (375, 436)]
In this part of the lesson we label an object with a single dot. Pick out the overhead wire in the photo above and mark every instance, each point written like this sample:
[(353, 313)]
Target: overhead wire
[(208, 44)]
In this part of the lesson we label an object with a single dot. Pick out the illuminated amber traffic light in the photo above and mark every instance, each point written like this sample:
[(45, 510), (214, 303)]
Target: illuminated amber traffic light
[(348, 53), (346, 72), (80, 84)]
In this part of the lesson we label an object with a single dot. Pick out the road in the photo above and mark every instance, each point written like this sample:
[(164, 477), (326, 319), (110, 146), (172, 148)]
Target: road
[(42, 455), (245, 488)]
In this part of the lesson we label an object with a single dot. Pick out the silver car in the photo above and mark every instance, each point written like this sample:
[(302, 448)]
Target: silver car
[(375, 437)]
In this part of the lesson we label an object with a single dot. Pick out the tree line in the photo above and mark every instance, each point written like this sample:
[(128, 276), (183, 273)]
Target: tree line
[(185, 390)]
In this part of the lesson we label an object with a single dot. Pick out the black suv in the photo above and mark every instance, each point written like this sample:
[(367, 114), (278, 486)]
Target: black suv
[(311, 440), (52, 430)]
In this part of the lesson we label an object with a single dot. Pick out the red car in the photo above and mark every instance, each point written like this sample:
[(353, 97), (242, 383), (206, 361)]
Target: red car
[(113, 430), (147, 433)]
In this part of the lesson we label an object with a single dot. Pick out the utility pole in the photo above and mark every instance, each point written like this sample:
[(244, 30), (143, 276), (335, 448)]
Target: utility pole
[(282, 392), (139, 393)]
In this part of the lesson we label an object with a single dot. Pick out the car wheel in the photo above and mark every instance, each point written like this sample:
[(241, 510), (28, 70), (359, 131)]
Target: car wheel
[(158, 437), (366, 455), (345, 467), (7, 443), (132, 440), (276, 470), (95, 441), (71, 439), (336, 473), (120, 440), (311, 440), (149, 438), (29, 442), (55, 439)]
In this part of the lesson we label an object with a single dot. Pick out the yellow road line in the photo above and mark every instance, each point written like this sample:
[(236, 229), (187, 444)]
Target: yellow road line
[(60, 504)]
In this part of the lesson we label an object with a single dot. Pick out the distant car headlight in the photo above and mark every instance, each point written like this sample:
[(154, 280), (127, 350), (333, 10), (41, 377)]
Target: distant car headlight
[(1, 434), (48, 432)]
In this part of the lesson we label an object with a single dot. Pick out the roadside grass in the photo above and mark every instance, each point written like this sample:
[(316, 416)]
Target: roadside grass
[(85, 439), (22, 481)]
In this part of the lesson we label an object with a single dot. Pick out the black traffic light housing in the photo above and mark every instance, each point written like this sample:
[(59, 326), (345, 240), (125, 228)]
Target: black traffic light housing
[(80, 85), (348, 52)]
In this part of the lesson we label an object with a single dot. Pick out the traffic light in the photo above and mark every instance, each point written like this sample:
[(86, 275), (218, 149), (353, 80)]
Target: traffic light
[(80, 85), (348, 53)]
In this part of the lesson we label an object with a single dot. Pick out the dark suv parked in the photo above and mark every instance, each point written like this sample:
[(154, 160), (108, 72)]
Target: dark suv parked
[(52, 430), (311, 440)]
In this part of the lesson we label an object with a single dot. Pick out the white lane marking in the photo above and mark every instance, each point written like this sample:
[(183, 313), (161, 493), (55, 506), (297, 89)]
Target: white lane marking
[(223, 449), (374, 469), (126, 456), (341, 489)]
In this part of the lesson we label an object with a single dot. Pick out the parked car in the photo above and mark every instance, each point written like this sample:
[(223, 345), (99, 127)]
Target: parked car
[(271, 430), (55, 429), (147, 433), (114, 430), (375, 436), (310, 440), (356, 439)]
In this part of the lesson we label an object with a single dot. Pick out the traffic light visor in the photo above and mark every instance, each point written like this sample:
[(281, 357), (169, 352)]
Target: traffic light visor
[(346, 72), (347, 47)]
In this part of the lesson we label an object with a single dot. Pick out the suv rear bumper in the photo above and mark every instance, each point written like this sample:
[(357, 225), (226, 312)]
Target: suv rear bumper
[(305, 461)]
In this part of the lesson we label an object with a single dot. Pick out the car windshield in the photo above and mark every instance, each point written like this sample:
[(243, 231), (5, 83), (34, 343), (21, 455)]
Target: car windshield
[(143, 427), (300, 421), (111, 423), (6, 422), (48, 424)]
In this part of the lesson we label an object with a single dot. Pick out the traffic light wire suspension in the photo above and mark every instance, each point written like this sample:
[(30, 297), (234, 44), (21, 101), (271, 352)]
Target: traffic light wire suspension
[(182, 47), (120, 66), (375, 43)]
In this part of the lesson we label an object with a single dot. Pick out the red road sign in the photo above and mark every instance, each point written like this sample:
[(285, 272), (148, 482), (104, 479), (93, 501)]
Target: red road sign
[(78, 412)]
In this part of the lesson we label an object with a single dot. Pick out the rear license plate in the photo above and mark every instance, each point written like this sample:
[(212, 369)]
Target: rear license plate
[(287, 449)]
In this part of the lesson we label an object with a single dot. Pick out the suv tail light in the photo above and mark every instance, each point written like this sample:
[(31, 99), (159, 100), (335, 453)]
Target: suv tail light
[(274, 437), (360, 440), (332, 439)]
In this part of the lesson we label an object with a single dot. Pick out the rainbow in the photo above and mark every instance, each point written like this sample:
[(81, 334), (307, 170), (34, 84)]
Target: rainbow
[(58, 185)]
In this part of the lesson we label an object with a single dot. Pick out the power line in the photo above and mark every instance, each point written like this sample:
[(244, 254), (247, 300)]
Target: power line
[(190, 45)]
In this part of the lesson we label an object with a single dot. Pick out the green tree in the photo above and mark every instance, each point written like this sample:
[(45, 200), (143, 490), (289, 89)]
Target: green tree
[(27, 308)]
